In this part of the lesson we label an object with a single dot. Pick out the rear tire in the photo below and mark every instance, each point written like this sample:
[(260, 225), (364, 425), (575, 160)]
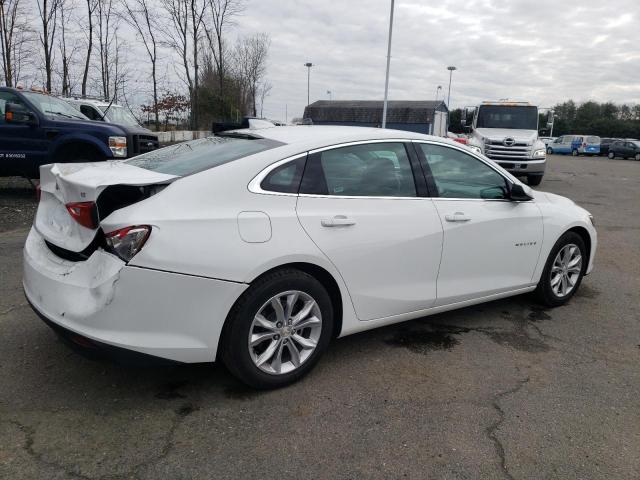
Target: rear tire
[(637, 157), (563, 271), (261, 345)]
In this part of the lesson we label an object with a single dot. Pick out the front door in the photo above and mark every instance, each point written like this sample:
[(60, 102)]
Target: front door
[(491, 245), (359, 205), (21, 145)]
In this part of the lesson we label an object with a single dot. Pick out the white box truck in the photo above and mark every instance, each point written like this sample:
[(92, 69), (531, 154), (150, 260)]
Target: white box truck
[(507, 133)]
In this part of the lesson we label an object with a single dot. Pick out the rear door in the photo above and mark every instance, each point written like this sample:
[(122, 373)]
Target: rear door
[(491, 244), (362, 206)]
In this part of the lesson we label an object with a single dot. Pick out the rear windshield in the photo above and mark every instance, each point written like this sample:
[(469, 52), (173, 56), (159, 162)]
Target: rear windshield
[(198, 155), (593, 140)]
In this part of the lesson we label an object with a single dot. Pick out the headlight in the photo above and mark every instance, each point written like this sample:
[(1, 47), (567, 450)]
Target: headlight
[(475, 149), (539, 153), (118, 146)]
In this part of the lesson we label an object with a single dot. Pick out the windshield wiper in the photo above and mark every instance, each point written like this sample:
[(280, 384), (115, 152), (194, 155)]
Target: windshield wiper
[(62, 114)]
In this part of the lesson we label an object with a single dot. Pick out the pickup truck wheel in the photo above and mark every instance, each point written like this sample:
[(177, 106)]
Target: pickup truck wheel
[(534, 180), (78, 154)]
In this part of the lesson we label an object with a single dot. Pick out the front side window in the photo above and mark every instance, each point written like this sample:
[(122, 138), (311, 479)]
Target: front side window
[(8, 97), (459, 175), (367, 170), (90, 112)]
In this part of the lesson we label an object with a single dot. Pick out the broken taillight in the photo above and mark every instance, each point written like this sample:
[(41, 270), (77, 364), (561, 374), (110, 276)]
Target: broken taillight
[(128, 241), (85, 213)]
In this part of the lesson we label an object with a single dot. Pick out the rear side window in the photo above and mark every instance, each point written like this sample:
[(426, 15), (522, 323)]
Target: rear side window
[(285, 178), (367, 170), (593, 140), (198, 155)]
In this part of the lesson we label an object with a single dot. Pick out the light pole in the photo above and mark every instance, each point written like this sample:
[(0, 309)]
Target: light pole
[(386, 80), (329, 93), (438, 91), (451, 69), (308, 65)]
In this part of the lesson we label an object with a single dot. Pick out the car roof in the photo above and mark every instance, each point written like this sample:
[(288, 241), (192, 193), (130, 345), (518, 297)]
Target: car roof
[(317, 136), (90, 101)]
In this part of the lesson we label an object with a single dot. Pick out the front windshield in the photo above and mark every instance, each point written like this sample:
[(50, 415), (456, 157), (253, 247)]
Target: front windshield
[(53, 106), (499, 116), (198, 155), (119, 115)]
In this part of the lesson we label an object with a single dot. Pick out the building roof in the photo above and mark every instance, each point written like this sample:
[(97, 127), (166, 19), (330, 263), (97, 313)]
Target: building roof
[(370, 111)]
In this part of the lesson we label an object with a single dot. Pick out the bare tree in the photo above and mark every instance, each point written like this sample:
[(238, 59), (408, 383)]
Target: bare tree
[(251, 63), (139, 15), (67, 50), (184, 36), (13, 38), (91, 7), (107, 41), (223, 13), (265, 90), (48, 11)]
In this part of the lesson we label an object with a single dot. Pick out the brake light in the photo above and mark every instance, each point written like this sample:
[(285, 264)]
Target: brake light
[(128, 241), (85, 213)]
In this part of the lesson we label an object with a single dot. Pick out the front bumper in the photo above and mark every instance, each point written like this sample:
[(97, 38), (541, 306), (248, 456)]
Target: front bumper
[(523, 166), (162, 314)]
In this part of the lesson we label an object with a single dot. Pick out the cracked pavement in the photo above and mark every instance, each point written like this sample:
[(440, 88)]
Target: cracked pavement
[(504, 390)]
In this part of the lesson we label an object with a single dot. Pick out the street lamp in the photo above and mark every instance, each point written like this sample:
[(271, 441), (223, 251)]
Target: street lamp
[(451, 69), (386, 79), (438, 91), (308, 65)]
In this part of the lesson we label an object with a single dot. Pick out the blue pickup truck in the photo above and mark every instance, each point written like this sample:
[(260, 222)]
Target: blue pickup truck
[(37, 129)]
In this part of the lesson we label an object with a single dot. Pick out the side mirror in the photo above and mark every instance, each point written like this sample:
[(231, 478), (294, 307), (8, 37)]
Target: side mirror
[(519, 193), (15, 113)]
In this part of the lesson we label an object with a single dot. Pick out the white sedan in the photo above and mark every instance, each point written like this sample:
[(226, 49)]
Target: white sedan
[(258, 247)]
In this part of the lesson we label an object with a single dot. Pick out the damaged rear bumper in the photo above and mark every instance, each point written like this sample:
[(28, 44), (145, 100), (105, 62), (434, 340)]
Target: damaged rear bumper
[(162, 314)]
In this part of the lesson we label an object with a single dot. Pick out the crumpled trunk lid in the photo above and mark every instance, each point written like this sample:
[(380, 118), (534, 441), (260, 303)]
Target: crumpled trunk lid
[(64, 183)]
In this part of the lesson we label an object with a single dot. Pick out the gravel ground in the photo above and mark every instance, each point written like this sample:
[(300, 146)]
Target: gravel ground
[(501, 390)]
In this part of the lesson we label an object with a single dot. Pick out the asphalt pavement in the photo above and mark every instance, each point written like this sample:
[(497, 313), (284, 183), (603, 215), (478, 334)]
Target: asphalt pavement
[(506, 389)]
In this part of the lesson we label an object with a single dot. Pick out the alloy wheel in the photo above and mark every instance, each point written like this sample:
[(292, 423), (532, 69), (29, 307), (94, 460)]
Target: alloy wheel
[(285, 332), (566, 270)]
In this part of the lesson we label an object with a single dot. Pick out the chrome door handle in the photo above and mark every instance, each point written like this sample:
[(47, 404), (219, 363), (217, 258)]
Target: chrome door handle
[(457, 217), (337, 221)]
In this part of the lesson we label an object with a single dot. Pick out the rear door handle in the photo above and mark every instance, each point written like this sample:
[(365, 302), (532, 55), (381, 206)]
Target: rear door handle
[(337, 221), (457, 217)]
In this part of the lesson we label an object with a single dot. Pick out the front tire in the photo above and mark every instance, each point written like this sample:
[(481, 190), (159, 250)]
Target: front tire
[(549, 151), (637, 157), (278, 329), (563, 271), (534, 180), (611, 155), (575, 153)]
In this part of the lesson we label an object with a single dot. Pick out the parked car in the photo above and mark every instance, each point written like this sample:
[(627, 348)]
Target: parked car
[(37, 129), (139, 139), (625, 149), (257, 247), (604, 145), (575, 145)]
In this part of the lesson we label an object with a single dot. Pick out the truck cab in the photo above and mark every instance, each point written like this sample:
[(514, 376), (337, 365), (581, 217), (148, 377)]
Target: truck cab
[(139, 139), (37, 129), (507, 133)]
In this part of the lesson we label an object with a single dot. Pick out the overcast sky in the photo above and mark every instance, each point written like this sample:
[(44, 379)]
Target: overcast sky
[(543, 51)]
